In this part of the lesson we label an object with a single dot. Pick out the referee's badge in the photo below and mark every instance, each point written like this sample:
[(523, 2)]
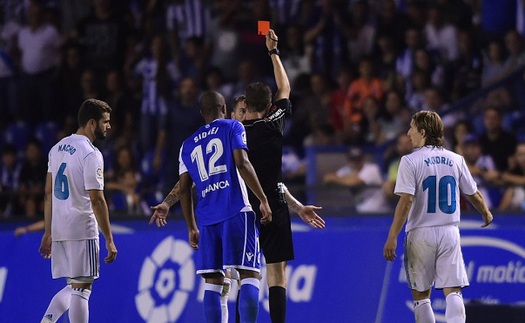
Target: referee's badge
[(243, 135)]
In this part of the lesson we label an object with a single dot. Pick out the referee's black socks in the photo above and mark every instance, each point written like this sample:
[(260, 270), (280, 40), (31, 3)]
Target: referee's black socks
[(277, 300)]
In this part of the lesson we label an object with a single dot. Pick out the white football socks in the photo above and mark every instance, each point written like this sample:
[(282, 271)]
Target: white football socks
[(58, 305), (455, 311), (79, 308), (423, 311)]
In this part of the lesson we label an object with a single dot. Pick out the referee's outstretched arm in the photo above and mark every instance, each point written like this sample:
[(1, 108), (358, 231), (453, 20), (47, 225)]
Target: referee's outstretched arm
[(281, 79)]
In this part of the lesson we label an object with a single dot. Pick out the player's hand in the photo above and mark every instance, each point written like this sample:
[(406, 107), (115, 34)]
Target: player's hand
[(308, 215), (266, 213), (271, 40), (160, 214), (20, 231), (389, 251), (487, 219), (45, 246), (193, 238), (112, 252)]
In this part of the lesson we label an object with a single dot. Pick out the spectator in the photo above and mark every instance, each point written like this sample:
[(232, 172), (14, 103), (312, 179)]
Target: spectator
[(405, 60), (103, 35), (516, 48), (441, 36), (69, 77), (481, 167), (39, 45), (9, 181), (124, 179), (468, 68), (364, 181), (416, 87), (159, 74), (295, 57), (496, 142), (397, 116), (514, 196), (403, 146), (493, 62), (462, 128), (392, 21), (8, 94), (32, 181), (214, 81), (361, 33), (183, 119), (433, 100), (337, 101), (366, 85)]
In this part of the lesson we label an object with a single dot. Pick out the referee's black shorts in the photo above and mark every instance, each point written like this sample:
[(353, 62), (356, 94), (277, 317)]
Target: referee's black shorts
[(276, 237)]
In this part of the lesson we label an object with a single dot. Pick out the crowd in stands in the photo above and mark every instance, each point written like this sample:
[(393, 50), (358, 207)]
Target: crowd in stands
[(358, 71)]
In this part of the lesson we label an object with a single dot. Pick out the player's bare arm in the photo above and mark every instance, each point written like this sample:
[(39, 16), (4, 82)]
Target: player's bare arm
[(100, 208), (306, 212), (160, 211), (478, 202), (186, 202), (248, 175), (400, 217), (281, 79), (45, 245)]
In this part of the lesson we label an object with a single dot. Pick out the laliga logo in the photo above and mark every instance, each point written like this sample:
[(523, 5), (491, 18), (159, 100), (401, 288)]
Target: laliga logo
[(166, 279), (513, 272)]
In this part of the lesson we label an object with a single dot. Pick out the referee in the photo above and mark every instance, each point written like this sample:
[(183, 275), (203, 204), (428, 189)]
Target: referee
[(264, 126)]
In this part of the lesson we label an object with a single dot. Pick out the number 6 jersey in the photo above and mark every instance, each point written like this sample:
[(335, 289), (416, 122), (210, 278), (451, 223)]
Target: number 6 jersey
[(76, 166), (434, 176), (207, 156)]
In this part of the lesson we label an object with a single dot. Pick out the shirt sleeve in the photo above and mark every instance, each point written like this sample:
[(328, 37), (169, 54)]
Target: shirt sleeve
[(94, 171), (278, 112), (182, 167), (238, 140), (406, 177), (467, 184)]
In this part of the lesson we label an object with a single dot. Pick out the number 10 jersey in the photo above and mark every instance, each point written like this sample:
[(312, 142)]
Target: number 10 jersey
[(434, 176)]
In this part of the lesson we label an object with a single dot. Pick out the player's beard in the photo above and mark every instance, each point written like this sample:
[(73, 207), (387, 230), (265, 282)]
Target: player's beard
[(99, 134)]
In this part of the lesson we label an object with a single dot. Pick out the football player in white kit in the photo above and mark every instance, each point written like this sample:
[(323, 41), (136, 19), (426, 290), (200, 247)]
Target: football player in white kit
[(429, 183), (75, 208)]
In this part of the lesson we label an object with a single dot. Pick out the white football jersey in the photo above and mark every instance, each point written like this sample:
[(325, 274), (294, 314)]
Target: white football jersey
[(76, 166), (435, 177)]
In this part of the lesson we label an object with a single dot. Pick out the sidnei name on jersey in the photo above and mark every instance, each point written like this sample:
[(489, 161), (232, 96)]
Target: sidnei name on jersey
[(66, 148), (205, 134), (439, 160)]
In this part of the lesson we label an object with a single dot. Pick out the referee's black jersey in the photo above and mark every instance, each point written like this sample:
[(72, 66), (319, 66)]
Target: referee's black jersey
[(265, 149)]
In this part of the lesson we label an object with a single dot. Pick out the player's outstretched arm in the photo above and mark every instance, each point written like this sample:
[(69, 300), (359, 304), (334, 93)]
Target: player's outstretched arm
[(306, 212), (186, 203), (37, 226), (45, 245), (281, 79), (250, 178), (478, 202), (400, 216), (100, 208), (160, 211)]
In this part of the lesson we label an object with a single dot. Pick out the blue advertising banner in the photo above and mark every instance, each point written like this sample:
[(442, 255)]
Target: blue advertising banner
[(339, 274)]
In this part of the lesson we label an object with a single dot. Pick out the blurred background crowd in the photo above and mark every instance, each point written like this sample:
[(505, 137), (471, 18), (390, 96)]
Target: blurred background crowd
[(358, 70)]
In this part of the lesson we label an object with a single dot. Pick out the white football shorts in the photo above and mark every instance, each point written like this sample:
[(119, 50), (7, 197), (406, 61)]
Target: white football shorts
[(433, 255), (76, 260)]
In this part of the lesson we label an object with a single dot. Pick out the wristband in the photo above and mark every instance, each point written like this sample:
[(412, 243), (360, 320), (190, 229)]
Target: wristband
[(274, 51)]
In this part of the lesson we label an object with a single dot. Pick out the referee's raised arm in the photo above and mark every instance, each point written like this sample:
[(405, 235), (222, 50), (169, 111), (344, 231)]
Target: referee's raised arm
[(281, 79)]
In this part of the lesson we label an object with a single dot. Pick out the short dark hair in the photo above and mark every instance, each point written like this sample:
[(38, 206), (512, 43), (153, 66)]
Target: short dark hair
[(431, 122), (258, 96), (211, 102), (92, 109)]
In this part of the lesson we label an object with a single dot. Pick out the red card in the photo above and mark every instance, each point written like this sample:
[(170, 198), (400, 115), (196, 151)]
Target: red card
[(262, 27)]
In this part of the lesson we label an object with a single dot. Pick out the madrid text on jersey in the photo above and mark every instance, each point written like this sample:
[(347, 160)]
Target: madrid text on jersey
[(439, 160), (67, 149)]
